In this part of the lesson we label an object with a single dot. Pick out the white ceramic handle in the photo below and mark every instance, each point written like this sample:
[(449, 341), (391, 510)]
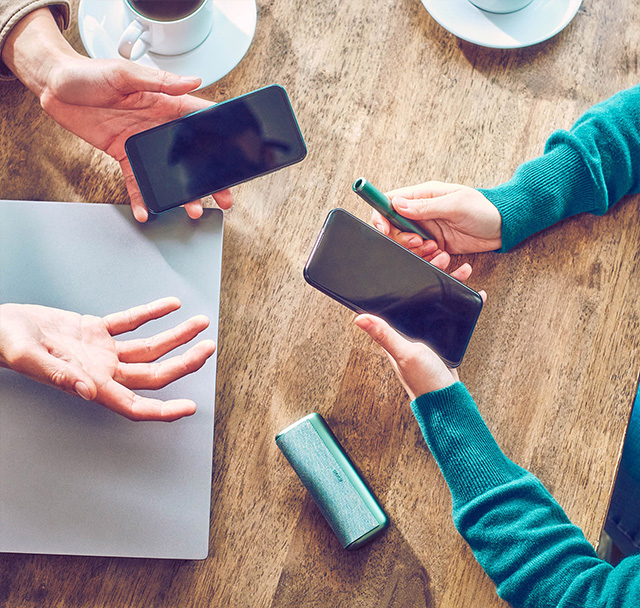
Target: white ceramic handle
[(134, 33)]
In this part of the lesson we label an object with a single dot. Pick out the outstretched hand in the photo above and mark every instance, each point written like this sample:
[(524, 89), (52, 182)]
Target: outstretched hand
[(77, 353), (461, 219), (103, 101)]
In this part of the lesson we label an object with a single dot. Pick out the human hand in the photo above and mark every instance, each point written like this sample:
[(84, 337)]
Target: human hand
[(418, 367), (461, 219), (77, 353), (103, 101)]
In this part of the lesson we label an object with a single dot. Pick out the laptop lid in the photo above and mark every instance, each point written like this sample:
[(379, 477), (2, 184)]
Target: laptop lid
[(75, 478)]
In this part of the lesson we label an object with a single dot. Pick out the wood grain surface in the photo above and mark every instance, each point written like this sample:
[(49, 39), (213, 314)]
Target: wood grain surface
[(380, 90)]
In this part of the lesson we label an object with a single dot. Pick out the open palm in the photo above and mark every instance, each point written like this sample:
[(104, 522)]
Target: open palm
[(77, 353), (105, 101)]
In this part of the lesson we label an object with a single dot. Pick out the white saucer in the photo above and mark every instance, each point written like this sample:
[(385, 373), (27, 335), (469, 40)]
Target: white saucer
[(101, 22), (536, 22)]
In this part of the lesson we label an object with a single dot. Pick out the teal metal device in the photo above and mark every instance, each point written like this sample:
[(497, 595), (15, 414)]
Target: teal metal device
[(335, 485), (381, 203)]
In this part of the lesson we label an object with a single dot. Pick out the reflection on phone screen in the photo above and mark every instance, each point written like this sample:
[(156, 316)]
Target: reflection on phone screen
[(216, 148), (368, 272)]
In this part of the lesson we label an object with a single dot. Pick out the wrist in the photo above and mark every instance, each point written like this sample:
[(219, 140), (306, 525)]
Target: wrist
[(425, 383), (34, 48), (5, 311)]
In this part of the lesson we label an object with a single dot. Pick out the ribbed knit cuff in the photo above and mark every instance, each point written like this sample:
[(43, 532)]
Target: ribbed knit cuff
[(466, 452), (542, 192)]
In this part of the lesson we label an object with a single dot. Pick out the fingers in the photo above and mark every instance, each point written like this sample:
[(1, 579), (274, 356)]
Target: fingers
[(138, 208), (157, 375), (150, 349), (430, 189), (409, 240), (381, 223), (428, 250), (70, 377), (439, 208), (194, 209), (135, 78), (125, 402), (382, 333), (67, 375), (128, 320), (463, 273), (440, 259), (224, 198)]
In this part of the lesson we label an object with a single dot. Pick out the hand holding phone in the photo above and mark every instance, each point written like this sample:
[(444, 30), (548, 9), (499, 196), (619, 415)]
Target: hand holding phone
[(417, 366), (215, 148), (369, 273)]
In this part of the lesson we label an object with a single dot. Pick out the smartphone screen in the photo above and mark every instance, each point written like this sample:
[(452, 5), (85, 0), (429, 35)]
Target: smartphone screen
[(229, 143), (368, 272)]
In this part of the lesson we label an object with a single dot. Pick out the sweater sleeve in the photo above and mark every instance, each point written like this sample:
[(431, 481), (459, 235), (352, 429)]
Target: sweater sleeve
[(588, 168), (518, 533), (11, 11)]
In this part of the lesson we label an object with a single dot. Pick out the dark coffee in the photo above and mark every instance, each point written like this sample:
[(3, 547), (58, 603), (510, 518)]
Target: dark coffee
[(165, 10)]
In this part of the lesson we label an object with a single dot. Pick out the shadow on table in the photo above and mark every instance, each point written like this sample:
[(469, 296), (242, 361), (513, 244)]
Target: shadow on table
[(319, 573)]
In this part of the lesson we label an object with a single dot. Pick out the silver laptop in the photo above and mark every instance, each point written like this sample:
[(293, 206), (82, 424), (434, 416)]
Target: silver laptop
[(75, 478)]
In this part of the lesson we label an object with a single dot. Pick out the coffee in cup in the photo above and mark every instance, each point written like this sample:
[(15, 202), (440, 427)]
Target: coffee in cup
[(165, 10), (500, 6), (165, 27)]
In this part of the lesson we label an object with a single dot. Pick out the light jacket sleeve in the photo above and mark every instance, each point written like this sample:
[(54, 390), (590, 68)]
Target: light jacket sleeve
[(11, 11)]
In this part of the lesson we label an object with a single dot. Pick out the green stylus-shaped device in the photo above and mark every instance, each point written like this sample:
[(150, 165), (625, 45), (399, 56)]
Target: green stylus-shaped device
[(381, 203)]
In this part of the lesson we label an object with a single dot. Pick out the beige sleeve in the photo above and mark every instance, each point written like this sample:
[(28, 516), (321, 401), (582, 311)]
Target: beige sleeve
[(11, 11)]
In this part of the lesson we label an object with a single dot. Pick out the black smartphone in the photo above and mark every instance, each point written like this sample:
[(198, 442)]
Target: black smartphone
[(213, 149), (368, 272)]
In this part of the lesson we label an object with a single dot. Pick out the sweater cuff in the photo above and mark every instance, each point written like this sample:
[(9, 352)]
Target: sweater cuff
[(542, 192), (468, 456), (9, 19)]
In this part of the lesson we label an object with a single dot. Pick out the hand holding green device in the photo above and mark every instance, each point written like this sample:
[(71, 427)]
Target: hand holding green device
[(381, 203)]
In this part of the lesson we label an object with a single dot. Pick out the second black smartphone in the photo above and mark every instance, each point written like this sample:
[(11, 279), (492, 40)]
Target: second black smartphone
[(216, 148), (368, 272)]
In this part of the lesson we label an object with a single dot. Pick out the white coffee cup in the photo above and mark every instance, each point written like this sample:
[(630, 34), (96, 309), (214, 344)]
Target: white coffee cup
[(500, 6), (146, 34)]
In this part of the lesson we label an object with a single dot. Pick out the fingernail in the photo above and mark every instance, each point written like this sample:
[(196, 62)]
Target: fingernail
[(191, 80), (140, 216), (364, 323), (83, 390), (400, 203), (415, 241)]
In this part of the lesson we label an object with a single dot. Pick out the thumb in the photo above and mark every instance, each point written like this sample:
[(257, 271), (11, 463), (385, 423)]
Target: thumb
[(138, 78), (65, 375), (439, 208), (384, 335)]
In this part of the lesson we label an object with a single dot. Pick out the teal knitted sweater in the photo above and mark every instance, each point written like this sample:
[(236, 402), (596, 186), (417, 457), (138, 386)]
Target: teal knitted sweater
[(589, 168), (517, 531)]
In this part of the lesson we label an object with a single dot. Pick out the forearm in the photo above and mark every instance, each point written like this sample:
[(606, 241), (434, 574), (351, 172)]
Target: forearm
[(34, 47), (588, 168), (517, 531)]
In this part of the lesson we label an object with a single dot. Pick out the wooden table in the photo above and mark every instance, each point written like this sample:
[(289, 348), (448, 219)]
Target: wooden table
[(390, 95)]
